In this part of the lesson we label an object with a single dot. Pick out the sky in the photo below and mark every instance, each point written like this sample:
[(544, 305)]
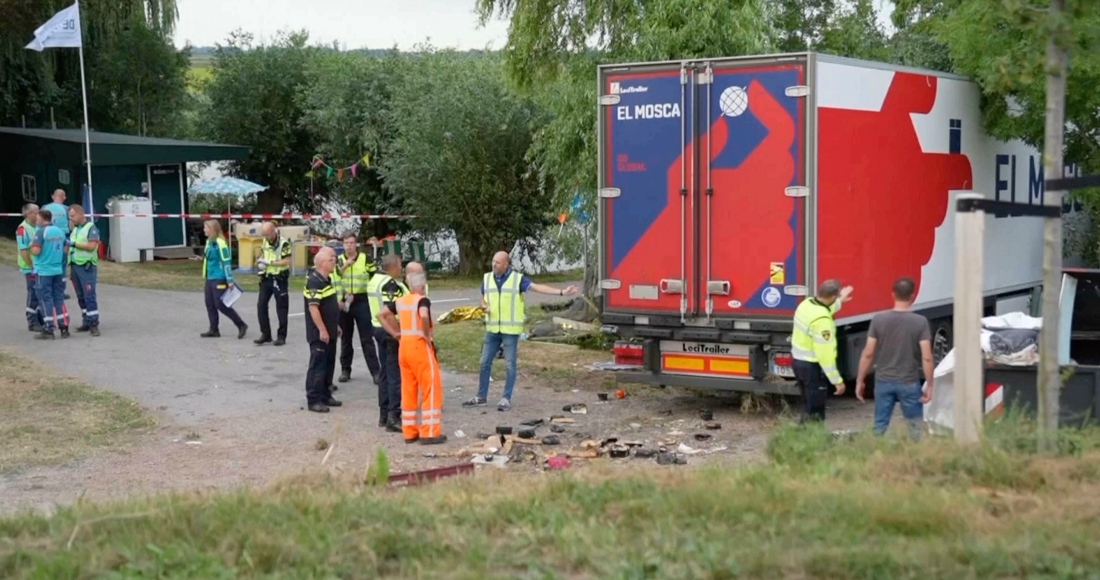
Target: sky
[(353, 23)]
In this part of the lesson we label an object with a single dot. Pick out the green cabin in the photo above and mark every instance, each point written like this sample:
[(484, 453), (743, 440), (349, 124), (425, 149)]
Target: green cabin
[(35, 162)]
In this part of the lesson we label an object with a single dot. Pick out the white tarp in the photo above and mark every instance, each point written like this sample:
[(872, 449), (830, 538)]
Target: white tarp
[(938, 412)]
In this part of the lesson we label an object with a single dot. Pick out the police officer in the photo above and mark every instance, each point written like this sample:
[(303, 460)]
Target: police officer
[(322, 329), (354, 271), (274, 269), (84, 260), (24, 237), (813, 346), (384, 288)]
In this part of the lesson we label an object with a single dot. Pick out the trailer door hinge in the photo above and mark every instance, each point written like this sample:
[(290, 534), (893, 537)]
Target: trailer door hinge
[(610, 192), (797, 91), (705, 78), (608, 100), (610, 284), (797, 191)]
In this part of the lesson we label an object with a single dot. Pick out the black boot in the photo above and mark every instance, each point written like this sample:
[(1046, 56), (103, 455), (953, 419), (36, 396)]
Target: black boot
[(383, 418), (345, 376), (264, 339), (393, 421), (212, 333), (65, 332)]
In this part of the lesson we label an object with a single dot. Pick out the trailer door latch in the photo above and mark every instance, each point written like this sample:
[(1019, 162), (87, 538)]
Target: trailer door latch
[(672, 286), (719, 287)]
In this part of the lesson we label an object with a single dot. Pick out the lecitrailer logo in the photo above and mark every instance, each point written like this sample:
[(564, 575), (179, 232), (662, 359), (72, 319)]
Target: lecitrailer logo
[(618, 89), (706, 348)]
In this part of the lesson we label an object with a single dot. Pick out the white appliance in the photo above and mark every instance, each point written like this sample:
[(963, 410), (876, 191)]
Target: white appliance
[(130, 234)]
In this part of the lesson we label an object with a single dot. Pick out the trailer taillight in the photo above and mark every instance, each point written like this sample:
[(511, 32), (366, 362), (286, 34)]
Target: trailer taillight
[(784, 360)]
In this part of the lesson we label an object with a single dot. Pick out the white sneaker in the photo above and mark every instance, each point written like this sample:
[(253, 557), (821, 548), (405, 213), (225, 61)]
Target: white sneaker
[(504, 405)]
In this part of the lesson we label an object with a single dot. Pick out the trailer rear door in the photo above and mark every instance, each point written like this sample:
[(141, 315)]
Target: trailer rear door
[(753, 194), (647, 205)]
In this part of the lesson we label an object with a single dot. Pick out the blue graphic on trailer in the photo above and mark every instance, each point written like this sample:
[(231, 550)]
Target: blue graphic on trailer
[(645, 141)]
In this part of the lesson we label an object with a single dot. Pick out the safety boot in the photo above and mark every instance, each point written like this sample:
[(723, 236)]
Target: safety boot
[(345, 375), (65, 332), (433, 440), (212, 333), (393, 422), (383, 418)]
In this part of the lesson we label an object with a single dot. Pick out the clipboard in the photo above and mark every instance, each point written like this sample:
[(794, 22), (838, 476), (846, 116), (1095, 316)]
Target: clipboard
[(231, 295)]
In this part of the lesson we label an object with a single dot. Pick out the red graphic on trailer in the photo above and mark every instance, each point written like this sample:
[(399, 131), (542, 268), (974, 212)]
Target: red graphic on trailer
[(757, 228), (881, 197)]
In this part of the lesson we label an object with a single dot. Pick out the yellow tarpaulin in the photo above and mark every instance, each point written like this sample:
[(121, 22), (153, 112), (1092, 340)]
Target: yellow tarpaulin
[(462, 313)]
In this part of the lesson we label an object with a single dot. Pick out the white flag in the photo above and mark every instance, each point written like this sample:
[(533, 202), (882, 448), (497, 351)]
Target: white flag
[(61, 31)]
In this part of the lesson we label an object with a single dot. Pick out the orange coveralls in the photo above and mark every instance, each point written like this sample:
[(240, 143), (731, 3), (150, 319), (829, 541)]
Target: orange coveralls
[(421, 379)]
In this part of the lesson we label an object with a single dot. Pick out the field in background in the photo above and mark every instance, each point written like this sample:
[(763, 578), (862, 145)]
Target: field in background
[(49, 419), (822, 507)]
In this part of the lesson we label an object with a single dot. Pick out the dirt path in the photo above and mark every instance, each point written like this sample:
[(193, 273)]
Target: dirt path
[(230, 413)]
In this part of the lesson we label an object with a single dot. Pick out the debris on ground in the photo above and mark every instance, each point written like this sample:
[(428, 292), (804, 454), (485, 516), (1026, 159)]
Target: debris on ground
[(459, 434), (671, 459), (712, 425), (494, 460), (557, 462), (551, 440), (576, 409), (320, 445), (555, 428), (706, 415), (703, 436)]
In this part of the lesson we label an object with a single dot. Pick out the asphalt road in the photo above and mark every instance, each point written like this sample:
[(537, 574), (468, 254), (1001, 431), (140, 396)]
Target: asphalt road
[(150, 350)]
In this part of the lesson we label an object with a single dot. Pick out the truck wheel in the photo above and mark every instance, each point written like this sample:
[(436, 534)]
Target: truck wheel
[(942, 340)]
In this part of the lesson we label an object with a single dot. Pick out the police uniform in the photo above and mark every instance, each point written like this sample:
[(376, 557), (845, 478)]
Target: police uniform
[(813, 346), (384, 291), (24, 237), (322, 355), (85, 274), (274, 282), (354, 282)]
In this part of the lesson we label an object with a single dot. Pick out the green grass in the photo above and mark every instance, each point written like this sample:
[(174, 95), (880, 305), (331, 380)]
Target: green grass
[(822, 508), (187, 275), (47, 419)]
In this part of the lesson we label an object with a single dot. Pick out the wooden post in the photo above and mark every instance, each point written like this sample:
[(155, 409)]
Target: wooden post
[(1050, 384), (969, 362)]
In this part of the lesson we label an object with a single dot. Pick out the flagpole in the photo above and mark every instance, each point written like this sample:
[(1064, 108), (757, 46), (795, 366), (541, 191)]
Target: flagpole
[(87, 128)]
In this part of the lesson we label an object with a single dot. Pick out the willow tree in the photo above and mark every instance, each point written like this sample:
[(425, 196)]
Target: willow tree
[(32, 84)]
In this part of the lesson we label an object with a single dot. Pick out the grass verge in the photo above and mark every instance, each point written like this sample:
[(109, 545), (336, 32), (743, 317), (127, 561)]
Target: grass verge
[(186, 275), (46, 419), (822, 508), (563, 366)]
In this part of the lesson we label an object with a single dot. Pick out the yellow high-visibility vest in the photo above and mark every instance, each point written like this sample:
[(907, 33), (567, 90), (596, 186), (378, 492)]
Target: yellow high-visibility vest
[(357, 279), (376, 296), (273, 253), (814, 336), (506, 304)]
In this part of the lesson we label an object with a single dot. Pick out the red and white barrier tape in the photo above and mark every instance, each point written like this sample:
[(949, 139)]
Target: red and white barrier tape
[(245, 216)]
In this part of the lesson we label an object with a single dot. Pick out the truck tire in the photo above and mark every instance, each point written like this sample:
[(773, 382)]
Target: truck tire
[(942, 339)]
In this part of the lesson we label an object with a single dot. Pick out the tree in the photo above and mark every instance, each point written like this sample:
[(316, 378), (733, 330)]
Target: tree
[(140, 83), (37, 87), (458, 156), (252, 99), (347, 107)]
